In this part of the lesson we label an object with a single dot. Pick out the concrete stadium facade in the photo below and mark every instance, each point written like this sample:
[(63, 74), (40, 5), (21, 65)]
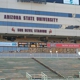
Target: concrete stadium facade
[(39, 19)]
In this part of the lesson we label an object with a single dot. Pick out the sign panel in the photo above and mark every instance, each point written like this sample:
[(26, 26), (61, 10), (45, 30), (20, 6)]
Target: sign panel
[(41, 45), (67, 45), (30, 18), (48, 45), (8, 44), (33, 44), (23, 44), (52, 44), (71, 2)]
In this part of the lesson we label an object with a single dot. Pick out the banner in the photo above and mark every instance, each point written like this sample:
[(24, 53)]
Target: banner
[(48, 45), (60, 45), (8, 44), (52, 44), (71, 2)]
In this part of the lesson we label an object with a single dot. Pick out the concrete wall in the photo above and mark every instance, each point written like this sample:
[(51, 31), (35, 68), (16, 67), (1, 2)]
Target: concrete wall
[(55, 32), (51, 7)]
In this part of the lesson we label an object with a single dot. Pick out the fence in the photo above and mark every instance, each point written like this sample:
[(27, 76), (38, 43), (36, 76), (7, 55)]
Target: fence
[(38, 55), (43, 76), (37, 50)]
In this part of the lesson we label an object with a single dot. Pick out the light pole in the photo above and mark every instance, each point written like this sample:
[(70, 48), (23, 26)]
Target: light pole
[(57, 53), (51, 53)]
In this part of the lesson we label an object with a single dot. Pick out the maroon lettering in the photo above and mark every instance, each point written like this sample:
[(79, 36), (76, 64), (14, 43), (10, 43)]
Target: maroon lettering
[(28, 30), (28, 18), (40, 31), (7, 17), (31, 30), (12, 17), (19, 17), (46, 19), (20, 30), (56, 19), (4, 16)]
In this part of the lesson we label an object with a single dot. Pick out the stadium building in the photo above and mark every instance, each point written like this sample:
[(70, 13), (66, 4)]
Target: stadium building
[(39, 40), (39, 20)]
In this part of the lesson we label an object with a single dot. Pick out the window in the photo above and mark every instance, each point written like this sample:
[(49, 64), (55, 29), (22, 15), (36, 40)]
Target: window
[(59, 14), (77, 15), (37, 12), (69, 15)]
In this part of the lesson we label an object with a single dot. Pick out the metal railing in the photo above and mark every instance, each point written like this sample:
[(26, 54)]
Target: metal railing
[(43, 76), (38, 55)]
